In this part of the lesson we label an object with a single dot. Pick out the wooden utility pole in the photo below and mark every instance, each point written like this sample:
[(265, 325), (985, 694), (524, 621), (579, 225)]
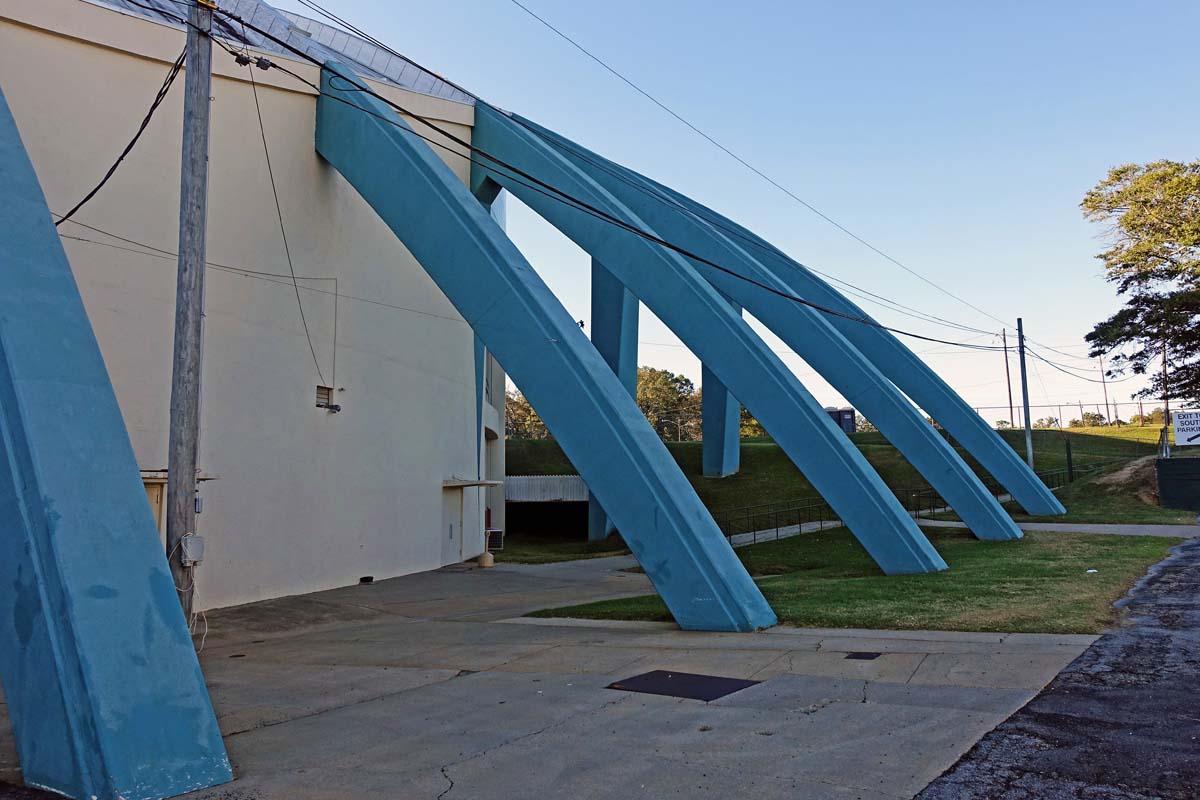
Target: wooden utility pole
[(189, 301), (1025, 393), (1166, 393), (1104, 384), (1007, 376)]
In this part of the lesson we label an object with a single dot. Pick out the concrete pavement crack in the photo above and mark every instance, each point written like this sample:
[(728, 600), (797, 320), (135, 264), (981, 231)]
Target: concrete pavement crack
[(569, 718), (449, 780), (364, 701), (917, 667)]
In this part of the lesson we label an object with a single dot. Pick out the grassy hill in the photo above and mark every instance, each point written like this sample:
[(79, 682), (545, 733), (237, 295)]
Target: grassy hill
[(767, 475)]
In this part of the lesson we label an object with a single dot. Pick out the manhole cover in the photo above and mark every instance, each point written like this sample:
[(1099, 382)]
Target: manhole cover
[(682, 684)]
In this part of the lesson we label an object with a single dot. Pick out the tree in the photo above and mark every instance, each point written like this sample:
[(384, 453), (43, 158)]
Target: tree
[(1046, 422), (864, 425), (1091, 419), (1003, 424), (520, 420), (1155, 417), (670, 403), (1153, 214), (750, 427)]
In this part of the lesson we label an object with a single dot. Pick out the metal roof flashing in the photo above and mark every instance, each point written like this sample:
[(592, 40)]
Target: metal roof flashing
[(316, 39)]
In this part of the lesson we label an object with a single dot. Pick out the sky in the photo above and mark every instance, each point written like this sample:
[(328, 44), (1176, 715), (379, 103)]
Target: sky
[(957, 137)]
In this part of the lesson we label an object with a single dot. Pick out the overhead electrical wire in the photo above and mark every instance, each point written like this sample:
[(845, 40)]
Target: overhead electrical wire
[(1067, 371), (546, 189), (282, 229), (750, 166), (719, 223), (583, 206), (753, 169), (554, 192), (163, 90), (513, 172), (532, 182), (284, 279), (270, 277)]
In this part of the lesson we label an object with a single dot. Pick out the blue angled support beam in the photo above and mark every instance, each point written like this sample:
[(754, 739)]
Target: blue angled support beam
[(721, 423), (720, 427), (104, 690), (808, 332), (614, 335), (706, 323), (899, 364), (580, 399)]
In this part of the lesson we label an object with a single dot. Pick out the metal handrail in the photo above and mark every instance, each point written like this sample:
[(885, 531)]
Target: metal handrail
[(760, 520)]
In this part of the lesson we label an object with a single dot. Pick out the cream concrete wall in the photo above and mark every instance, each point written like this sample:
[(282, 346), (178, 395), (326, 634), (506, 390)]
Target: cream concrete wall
[(306, 499)]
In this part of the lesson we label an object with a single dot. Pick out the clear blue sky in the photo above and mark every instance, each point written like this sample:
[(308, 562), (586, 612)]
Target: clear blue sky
[(958, 137)]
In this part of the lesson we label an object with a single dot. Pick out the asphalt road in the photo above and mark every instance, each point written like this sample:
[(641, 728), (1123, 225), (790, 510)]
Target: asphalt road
[(1121, 721)]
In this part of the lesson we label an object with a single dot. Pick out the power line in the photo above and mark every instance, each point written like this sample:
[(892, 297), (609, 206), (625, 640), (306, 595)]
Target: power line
[(730, 229), (529, 181), (279, 212), (538, 185), (564, 197), (1067, 371), (163, 90), (723, 225), (269, 277), (749, 166)]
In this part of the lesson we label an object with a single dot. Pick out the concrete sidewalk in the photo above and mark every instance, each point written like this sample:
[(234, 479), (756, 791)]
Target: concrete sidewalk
[(434, 686), (1118, 529)]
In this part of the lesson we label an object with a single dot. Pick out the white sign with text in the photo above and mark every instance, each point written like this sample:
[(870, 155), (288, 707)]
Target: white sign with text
[(1187, 428)]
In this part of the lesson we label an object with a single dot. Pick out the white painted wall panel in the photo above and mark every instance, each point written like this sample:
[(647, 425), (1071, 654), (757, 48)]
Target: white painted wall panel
[(306, 500)]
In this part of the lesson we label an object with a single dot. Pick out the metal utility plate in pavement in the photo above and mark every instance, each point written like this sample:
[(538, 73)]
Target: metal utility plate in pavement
[(682, 684)]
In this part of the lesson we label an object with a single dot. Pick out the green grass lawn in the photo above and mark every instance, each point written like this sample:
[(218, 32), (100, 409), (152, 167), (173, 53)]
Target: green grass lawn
[(1122, 493), (768, 475), (525, 549), (1146, 435), (1038, 584)]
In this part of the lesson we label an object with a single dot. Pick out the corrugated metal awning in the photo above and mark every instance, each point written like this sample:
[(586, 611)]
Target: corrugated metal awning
[(545, 489)]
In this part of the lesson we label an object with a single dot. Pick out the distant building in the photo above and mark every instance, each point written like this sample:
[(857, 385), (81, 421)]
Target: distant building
[(370, 455)]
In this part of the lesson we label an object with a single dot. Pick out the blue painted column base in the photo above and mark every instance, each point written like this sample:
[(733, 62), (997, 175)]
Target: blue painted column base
[(104, 690)]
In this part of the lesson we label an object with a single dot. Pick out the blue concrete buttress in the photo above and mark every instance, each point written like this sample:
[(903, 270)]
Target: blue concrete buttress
[(703, 319), (578, 396), (809, 332), (899, 364), (104, 690), (615, 337)]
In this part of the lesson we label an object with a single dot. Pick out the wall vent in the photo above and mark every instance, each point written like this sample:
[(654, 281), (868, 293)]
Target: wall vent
[(325, 399)]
